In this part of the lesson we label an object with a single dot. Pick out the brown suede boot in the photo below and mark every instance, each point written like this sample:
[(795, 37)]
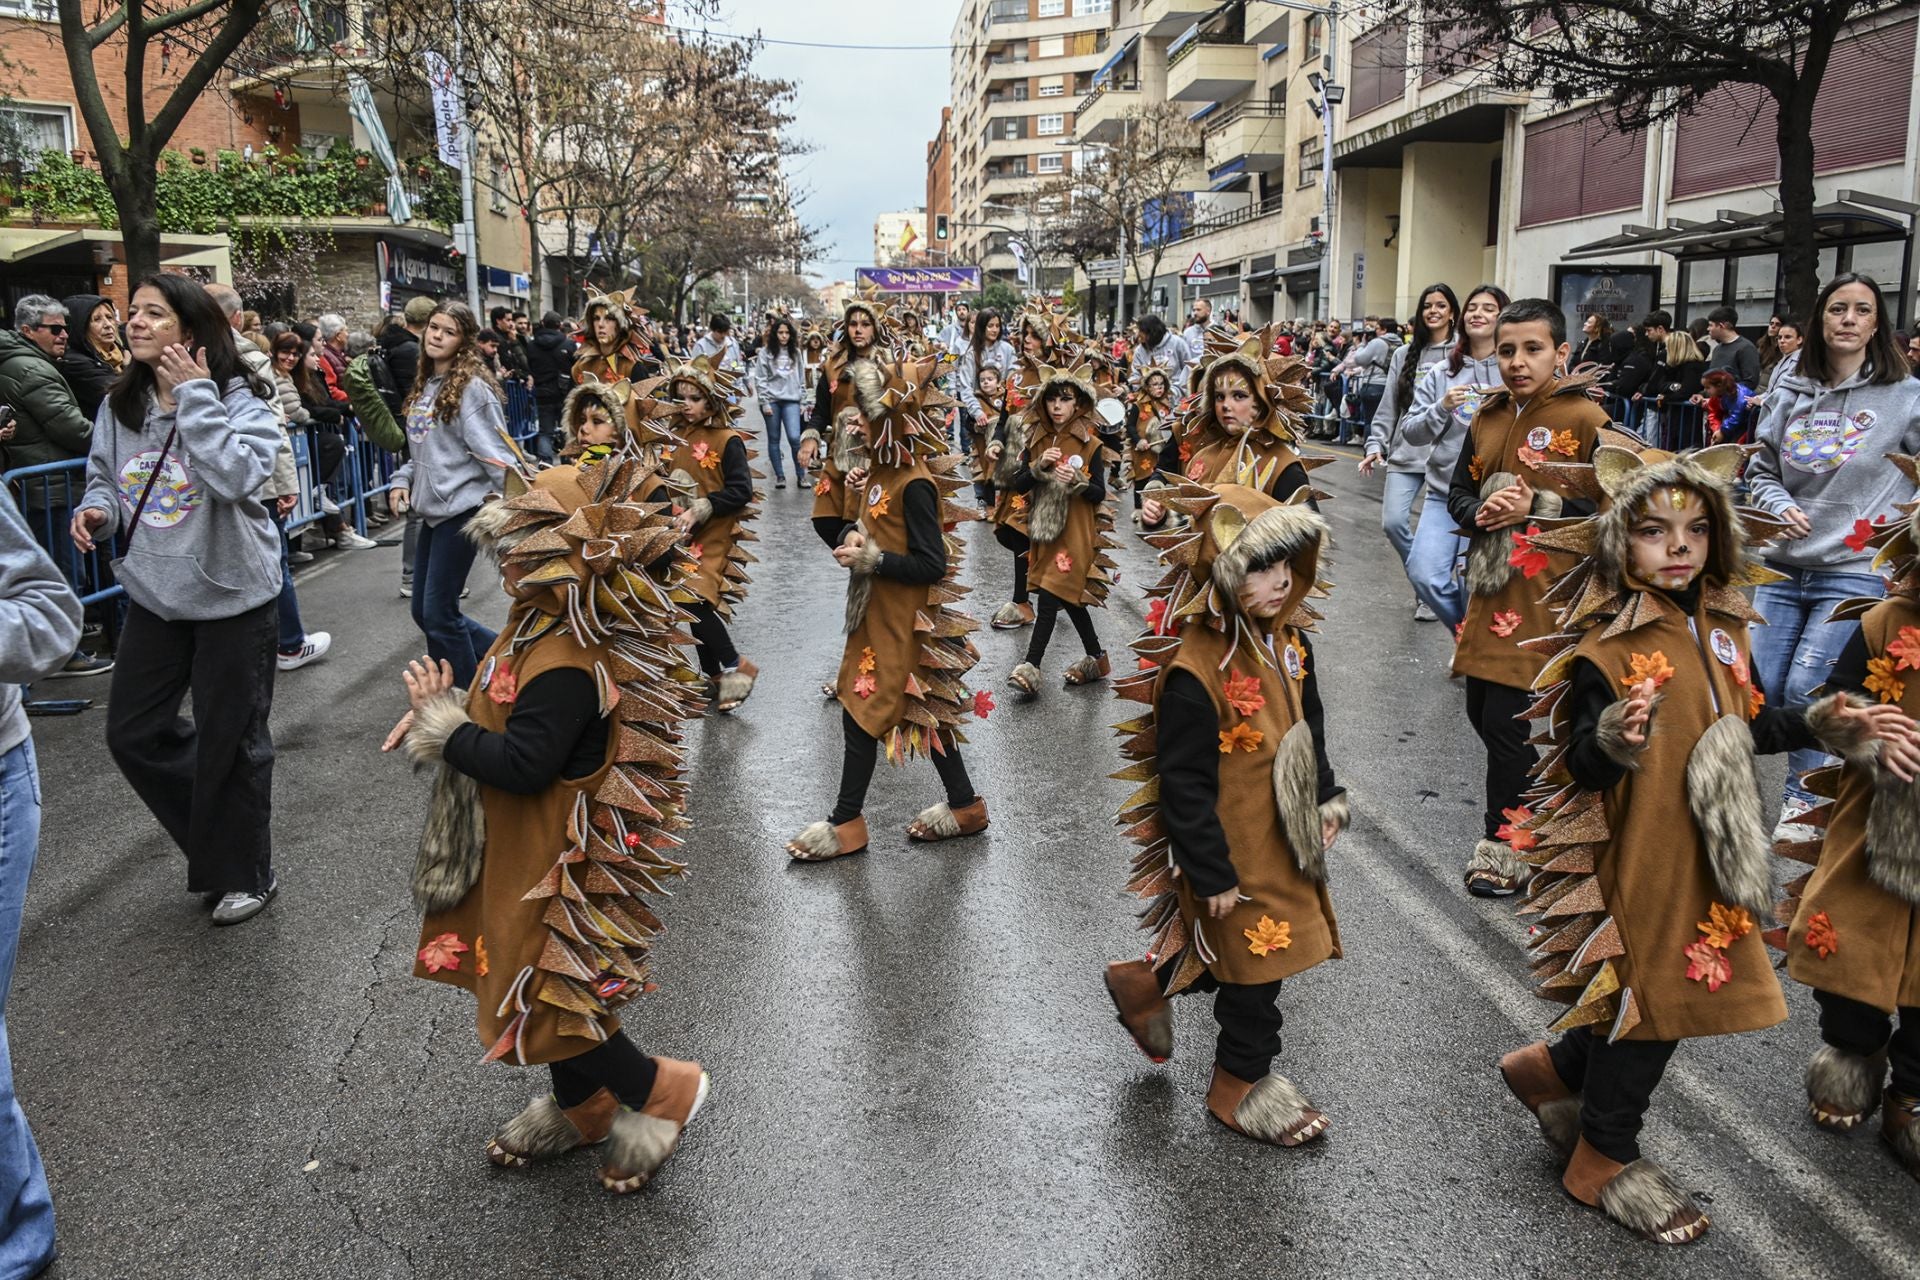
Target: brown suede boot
[(544, 1130), (943, 822), (1641, 1196), (1144, 1012), (821, 841), (1530, 1075), (1271, 1110), (1900, 1129), (640, 1141)]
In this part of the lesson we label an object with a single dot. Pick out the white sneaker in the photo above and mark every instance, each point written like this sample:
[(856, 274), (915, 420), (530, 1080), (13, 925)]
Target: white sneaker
[(327, 505), (406, 587), (348, 540), (318, 642), (234, 908), (1423, 614), (1787, 829)]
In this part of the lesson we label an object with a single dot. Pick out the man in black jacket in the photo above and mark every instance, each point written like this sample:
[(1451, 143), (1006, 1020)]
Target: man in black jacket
[(550, 361), (513, 352)]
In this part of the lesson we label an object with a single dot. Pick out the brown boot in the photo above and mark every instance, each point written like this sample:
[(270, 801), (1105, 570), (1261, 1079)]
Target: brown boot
[(1144, 1012), (1900, 1129), (821, 841), (1271, 1110), (544, 1130), (735, 686), (640, 1141), (943, 822), (1529, 1073), (1641, 1196)]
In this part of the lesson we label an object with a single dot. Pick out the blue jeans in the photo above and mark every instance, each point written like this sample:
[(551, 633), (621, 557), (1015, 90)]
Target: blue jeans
[(292, 633), (1433, 562), (1794, 653), (440, 566), (785, 421), (1396, 509), (26, 1233)]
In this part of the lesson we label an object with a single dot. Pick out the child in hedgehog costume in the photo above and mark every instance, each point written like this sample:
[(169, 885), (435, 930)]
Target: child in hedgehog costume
[(1855, 932), (900, 681), (556, 809), (1644, 820), (1034, 337), (593, 421), (610, 350), (1238, 805)]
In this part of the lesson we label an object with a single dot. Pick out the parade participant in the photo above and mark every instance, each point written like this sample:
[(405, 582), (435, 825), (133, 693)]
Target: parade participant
[(609, 350), (560, 769), (986, 349), (1646, 822), (1501, 484), (1445, 401), (863, 333), (900, 682), (457, 435), (1238, 805), (1431, 340), (712, 479), (1855, 936), (182, 451), (1004, 452), (1150, 421), (1061, 475), (592, 421), (990, 394)]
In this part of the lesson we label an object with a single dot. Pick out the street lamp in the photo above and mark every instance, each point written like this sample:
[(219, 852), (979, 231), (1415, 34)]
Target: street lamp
[(1332, 94)]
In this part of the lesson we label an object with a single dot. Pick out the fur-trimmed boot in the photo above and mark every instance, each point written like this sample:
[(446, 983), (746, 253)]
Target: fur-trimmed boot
[(1144, 1011), (943, 822), (1088, 670), (545, 1130), (1495, 871), (1642, 1197), (1530, 1074), (1842, 1087), (640, 1141), (1026, 678), (1270, 1110), (735, 686), (821, 841), (1012, 615), (1900, 1129)]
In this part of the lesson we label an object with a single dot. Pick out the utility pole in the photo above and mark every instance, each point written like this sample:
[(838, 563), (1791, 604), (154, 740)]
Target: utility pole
[(1332, 94), (472, 246)]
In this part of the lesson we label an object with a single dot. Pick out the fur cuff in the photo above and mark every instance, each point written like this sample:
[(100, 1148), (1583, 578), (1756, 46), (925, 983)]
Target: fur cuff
[(702, 511), (1845, 738), (1498, 857), (1338, 811), (1643, 1197), (1560, 1125), (940, 821), (815, 843), (1845, 1085), (867, 558), (540, 1132), (1273, 1108), (638, 1145), (1611, 736), (433, 724)]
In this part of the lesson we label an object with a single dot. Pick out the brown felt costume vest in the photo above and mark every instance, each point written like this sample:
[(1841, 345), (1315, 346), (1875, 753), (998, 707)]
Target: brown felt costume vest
[(1555, 427), (1654, 873), (1870, 936), (1011, 509), (614, 368), (1069, 565), (1257, 462), (722, 578), (883, 651), (1270, 879)]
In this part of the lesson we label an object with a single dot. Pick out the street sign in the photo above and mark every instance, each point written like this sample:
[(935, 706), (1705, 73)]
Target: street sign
[(1197, 271), (1105, 269)]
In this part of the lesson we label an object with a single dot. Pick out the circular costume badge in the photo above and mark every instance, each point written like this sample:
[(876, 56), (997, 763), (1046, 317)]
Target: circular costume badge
[(874, 495), (1076, 462), (173, 496), (1290, 659), (1723, 647), (1539, 438), (486, 672)]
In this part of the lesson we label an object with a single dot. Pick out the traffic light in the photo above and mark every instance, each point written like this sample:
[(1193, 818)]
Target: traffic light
[(939, 226)]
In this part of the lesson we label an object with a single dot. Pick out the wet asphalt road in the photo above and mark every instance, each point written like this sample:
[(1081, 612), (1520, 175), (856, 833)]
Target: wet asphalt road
[(915, 1070)]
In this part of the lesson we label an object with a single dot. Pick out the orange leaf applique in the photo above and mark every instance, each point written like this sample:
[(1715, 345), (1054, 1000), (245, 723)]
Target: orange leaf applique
[(1019, 502), (503, 688), (864, 686), (1186, 450), (1881, 682), (1820, 935), (1708, 964), (1649, 666), (1906, 650), (1267, 937), (1063, 562), (1243, 694), (867, 660), (1526, 557), (1532, 457), (1565, 443), (1504, 623), (1513, 830), (442, 952), (480, 955), (704, 454), (879, 506), (823, 486), (1725, 925), (1755, 701), (1245, 737), (1477, 469)]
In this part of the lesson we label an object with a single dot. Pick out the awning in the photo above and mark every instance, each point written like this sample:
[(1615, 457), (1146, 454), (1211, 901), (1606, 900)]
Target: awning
[(1204, 112), (1731, 233), (1107, 67), (1231, 182), (73, 246), (1274, 52)]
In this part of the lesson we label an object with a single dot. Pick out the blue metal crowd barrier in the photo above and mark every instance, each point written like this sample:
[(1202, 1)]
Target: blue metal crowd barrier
[(47, 495), (523, 416)]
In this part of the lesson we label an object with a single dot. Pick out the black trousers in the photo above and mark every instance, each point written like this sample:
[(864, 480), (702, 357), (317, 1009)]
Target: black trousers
[(1018, 543), (615, 1063), (715, 645), (862, 752), (1615, 1083), (207, 781), (1494, 710), (1858, 1027), (1048, 613), (1250, 1021)]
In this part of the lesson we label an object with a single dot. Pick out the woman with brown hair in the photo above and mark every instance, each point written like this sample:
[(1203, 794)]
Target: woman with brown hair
[(609, 349)]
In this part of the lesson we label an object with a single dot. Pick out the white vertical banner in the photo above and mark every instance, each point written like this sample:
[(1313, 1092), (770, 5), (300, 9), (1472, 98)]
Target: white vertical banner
[(1019, 252), (449, 112)]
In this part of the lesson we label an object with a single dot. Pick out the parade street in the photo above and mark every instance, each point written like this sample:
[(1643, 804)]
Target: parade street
[(915, 1070)]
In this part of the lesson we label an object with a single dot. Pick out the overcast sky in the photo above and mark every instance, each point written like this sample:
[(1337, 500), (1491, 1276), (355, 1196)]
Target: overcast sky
[(868, 114)]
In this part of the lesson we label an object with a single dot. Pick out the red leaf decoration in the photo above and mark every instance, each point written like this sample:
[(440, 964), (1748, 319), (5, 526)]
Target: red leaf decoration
[(1504, 623), (1857, 540), (442, 952), (1527, 558), (1709, 965), (982, 704)]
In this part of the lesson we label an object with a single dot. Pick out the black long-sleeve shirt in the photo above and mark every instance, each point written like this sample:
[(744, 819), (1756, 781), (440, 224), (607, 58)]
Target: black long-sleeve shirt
[(737, 491), (925, 561), (1025, 479), (554, 731), (1187, 745)]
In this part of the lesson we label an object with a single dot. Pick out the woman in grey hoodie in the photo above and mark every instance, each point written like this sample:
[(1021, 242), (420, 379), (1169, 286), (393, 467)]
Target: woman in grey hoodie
[(1432, 327), (1822, 467), (457, 438), (183, 448), (777, 379)]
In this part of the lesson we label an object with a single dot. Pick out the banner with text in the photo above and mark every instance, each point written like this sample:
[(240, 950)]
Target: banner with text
[(919, 279)]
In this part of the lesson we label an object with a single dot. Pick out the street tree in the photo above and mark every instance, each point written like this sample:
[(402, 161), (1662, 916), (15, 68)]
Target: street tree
[(1645, 61), (1143, 184), (1075, 224)]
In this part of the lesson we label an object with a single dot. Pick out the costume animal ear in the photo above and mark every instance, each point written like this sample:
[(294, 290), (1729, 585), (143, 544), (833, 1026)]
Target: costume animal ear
[(514, 484), (1226, 524), (1908, 464), (1722, 461), (1612, 466)]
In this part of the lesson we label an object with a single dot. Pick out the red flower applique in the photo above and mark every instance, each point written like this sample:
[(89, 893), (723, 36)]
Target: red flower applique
[(1857, 540), (1906, 649), (1820, 935), (1708, 964), (1157, 616), (864, 686), (698, 550), (1063, 562), (1518, 839), (442, 952), (1504, 623), (982, 704), (503, 688), (1527, 558), (1198, 470), (823, 486), (1243, 694)]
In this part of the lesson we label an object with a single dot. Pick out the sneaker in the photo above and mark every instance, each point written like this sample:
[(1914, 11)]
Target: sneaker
[(781, 483), (236, 908), (348, 540), (1787, 829), (1423, 614), (327, 505), (318, 642), (83, 663), (406, 588), (297, 556)]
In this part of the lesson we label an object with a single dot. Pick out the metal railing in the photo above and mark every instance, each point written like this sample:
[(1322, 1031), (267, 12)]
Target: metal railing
[(1199, 38), (1233, 218), (1254, 109), (1125, 86)]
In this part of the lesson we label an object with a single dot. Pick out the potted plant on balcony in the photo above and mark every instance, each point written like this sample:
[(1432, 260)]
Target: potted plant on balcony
[(361, 160), (198, 155)]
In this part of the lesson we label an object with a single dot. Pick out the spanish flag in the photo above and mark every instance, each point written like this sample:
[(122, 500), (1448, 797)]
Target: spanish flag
[(907, 236)]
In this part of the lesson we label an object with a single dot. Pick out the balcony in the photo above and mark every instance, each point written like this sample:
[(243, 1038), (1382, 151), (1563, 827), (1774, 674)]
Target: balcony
[(1165, 18), (305, 51), (1101, 115), (1267, 22), (1211, 68), (1255, 132)]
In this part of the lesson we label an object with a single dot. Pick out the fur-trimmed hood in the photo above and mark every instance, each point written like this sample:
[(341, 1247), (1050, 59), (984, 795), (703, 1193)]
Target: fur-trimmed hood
[(1077, 378), (1630, 480), (1248, 531)]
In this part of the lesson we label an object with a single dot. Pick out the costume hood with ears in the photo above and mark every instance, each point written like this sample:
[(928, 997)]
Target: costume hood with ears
[(900, 402), (650, 415), (621, 308), (1049, 378), (615, 398), (884, 336), (721, 386)]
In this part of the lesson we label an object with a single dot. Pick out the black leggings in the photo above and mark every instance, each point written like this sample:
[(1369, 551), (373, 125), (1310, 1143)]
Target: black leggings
[(615, 1063), (1615, 1083), (1250, 1022), (716, 649), (1494, 710), (863, 750), (1859, 1028), (1049, 613), (1018, 543)]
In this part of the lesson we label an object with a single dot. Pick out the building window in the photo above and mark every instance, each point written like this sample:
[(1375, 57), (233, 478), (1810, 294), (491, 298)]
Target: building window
[(1045, 126), (1007, 11), (1315, 36), (1052, 46), (1053, 86), (1379, 68), (1052, 9), (1309, 173), (1081, 8), (1579, 164), (26, 131), (1051, 163)]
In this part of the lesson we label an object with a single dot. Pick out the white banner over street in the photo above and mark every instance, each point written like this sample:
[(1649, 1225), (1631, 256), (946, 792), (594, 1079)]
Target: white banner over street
[(449, 112)]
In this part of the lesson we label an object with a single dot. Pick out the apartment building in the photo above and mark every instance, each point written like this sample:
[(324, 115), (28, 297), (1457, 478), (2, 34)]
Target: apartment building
[(1019, 67)]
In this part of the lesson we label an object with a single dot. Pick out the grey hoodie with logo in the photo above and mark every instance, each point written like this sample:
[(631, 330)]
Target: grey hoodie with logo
[(1441, 432), (1385, 435), (1824, 450), (454, 466), (206, 547)]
